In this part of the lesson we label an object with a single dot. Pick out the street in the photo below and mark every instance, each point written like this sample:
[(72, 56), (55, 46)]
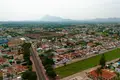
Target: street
[(38, 65)]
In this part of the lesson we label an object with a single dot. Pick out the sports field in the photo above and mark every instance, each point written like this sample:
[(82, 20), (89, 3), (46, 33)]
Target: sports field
[(85, 64)]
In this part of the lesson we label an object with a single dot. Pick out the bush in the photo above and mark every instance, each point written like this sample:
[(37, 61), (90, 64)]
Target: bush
[(29, 75)]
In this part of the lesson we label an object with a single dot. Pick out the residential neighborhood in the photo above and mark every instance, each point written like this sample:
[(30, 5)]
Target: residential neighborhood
[(65, 46)]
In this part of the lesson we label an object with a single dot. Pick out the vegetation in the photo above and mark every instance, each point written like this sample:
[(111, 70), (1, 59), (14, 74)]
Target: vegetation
[(13, 34), (48, 63), (26, 53), (36, 24), (29, 75), (99, 73), (1, 76), (85, 64), (102, 61), (118, 76), (97, 43), (5, 46)]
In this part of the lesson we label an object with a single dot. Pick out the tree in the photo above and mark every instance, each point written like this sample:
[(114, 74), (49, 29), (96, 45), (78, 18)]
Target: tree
[(118, 76), (102, 61), (48, 63), (29, 75), (50, 71), (99, 73), (30, 67), (18, 61), (5, 46), (1, 76), (47, 59), (26, 52)]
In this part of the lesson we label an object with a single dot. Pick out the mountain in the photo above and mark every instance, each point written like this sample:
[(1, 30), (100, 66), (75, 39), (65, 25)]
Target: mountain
[(48, 18), (106, 20)]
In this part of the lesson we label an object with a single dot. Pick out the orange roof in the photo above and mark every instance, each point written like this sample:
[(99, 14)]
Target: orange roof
[(10, 44), (60, 50), (9, 69), (11, 53), (90, 44), (2, 60), (105, 74), (20, 68)]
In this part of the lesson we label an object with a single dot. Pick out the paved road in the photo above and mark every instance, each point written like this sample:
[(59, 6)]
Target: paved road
[(38, 65)]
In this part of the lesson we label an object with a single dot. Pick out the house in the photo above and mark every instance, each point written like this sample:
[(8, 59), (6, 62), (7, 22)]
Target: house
[(3, 41), (18, 57), (117, 69), (2, 60), (105, 75), (90, 44), (60, 51), (16, 42), (19, 68)]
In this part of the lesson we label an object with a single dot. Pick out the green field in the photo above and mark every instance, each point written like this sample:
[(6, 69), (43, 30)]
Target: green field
[(85, 64)]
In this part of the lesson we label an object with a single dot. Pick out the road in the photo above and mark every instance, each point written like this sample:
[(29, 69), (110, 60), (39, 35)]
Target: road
[(38, 64)]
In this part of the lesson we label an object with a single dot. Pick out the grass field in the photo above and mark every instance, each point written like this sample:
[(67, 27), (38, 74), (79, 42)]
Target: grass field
[(85, 64)]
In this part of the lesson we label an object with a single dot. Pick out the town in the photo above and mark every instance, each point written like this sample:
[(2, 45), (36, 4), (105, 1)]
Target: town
[(65, 51)]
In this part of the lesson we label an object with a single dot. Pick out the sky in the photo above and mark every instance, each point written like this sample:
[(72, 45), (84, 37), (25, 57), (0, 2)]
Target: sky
[(17, 10)]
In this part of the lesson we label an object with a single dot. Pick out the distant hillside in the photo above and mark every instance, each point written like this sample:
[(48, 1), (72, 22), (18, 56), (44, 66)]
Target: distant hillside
[(55, 19), (106, 20), (49, 18)]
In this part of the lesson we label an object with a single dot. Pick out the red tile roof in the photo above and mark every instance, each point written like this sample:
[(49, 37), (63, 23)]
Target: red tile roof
[(10, 52), (10, 70), (105, 74), (20, 68), (90, 44), (2, 60)]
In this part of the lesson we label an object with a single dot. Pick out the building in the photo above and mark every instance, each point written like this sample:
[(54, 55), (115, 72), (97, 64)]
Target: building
[(16, 42), (105, 75), (3, 40)]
